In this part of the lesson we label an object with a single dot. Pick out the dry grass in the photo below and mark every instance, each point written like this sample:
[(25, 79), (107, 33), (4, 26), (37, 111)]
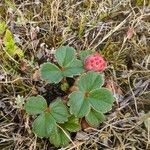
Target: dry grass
[(119, 29)]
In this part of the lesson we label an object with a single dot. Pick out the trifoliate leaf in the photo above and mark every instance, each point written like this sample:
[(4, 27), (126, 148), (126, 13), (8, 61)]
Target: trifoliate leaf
[(44, 124), (90, 95), (78, 105), (65, 55), (51, 73), (74, 68), (59, 111), (49, 116), (101, 99), (90, 81), (94, 118), (58, 137), (72, 124), (35, 105)]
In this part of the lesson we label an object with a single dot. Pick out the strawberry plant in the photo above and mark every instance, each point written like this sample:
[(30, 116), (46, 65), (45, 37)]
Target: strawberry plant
[(50, 119), (68, 65), (90, 100)]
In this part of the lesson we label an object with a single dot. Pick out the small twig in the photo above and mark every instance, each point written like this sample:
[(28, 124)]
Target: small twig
[(66, 134)]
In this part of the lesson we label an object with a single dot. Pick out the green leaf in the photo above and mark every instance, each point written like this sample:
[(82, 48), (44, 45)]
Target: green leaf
[(51, 73), (65, 55), (56, 113), (59, 111), (101, 99), (59, 138), (10, 45), (90, 81), (78, 105), (90, 95), (43, 125), (3, 27), (9, 42), (94, 118), (72, 124), (35, 105), (84, 54), (74, 68)]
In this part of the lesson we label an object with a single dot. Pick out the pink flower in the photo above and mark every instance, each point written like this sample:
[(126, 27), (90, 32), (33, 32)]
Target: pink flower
[(95, 62)]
